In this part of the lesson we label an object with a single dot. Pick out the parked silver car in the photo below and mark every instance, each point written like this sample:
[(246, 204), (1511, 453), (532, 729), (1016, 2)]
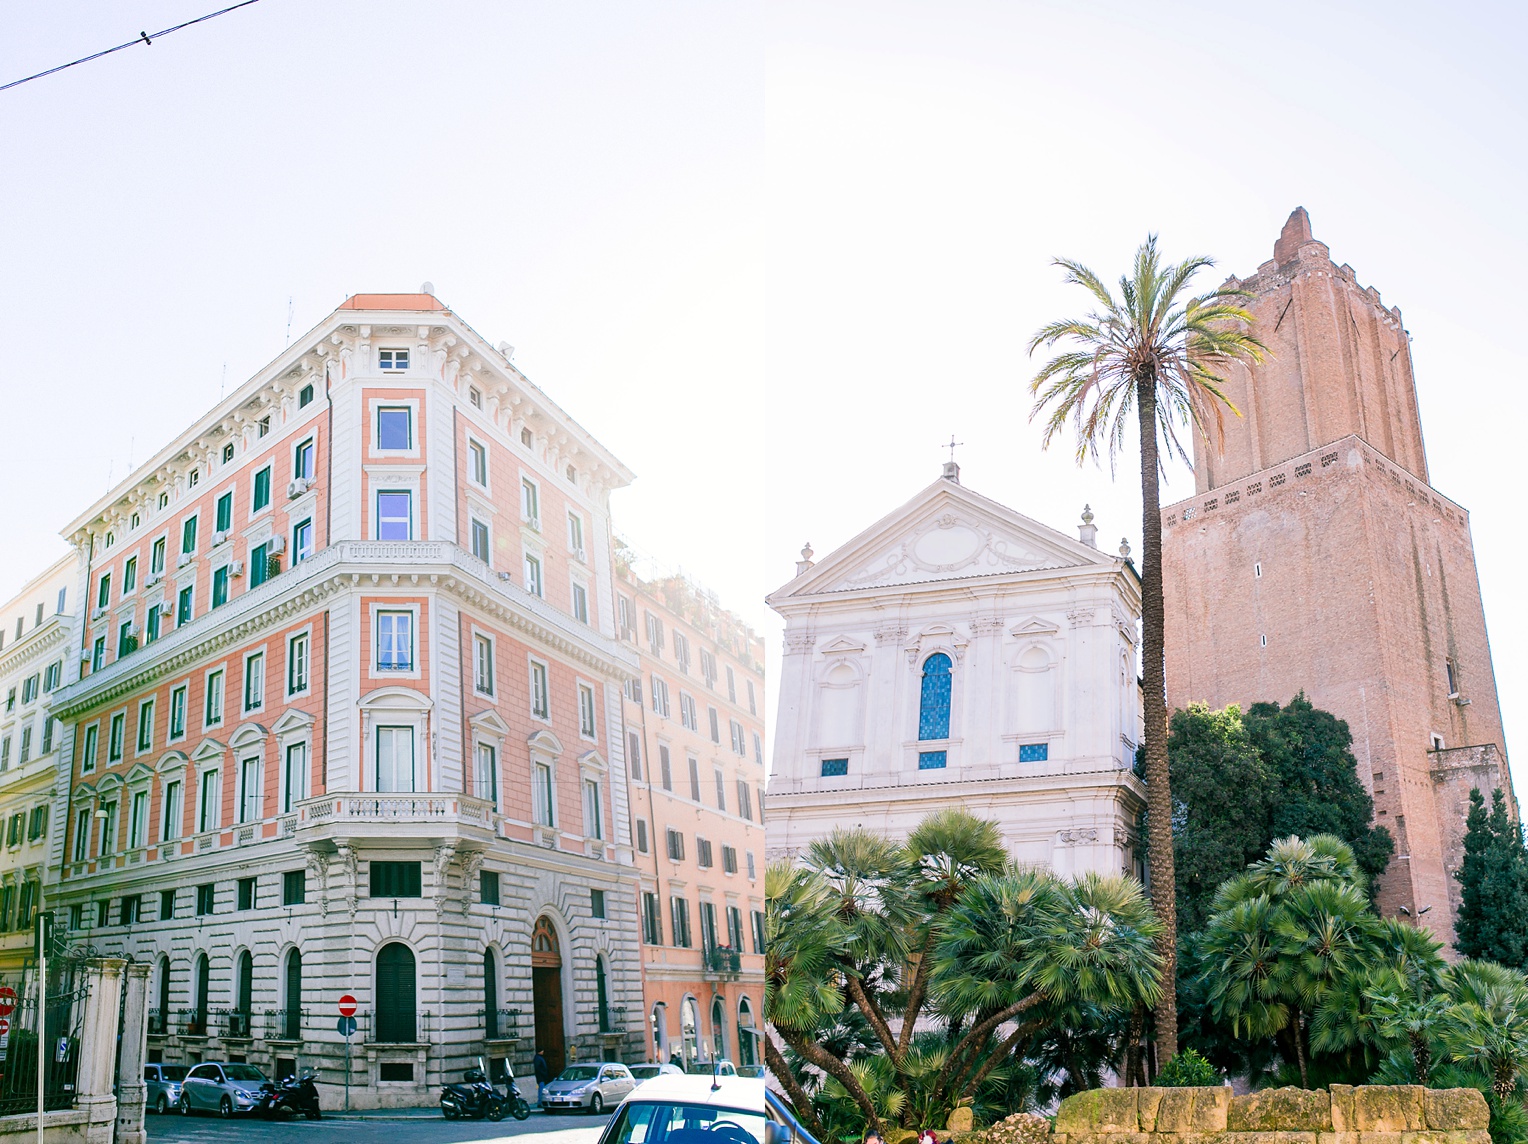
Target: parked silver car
[(223, 1087), (592, 1087), (646, 1072), (163, 1083)]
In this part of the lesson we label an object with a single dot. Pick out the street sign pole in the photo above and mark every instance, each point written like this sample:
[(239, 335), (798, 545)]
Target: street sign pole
[(347, 1068), (346, 1025), (44, 931)]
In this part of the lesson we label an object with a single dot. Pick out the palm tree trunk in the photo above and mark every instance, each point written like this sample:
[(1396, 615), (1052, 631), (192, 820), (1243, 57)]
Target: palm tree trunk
[(1300, 1051), (782, 1073), (1159, 803), (813, 1053)]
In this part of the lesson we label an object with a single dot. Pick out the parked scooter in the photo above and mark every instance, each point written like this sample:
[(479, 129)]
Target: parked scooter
[(476, 1098), (290, 1095)]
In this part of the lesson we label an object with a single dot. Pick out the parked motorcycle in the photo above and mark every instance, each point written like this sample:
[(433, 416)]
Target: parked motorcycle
[(477, 1099), (289, 1096)]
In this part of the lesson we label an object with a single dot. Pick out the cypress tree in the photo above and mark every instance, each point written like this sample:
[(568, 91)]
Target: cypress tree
[(1493, 917)]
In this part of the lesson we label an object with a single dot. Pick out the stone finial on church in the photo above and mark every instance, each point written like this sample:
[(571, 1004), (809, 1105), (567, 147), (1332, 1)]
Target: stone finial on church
[(1124, 547), (1087, 531), (806, 558)]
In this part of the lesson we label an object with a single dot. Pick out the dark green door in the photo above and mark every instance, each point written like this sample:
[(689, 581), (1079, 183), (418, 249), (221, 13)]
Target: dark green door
[(395, 994)]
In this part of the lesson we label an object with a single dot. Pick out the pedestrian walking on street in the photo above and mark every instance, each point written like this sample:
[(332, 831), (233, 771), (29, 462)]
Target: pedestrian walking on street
[(543, 1074)]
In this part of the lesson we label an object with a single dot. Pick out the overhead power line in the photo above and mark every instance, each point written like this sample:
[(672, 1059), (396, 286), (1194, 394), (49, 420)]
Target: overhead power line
[(145, 38)]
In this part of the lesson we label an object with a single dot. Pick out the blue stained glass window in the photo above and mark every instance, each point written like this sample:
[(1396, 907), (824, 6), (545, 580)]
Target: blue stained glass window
[(934, 704), (831, 768), (1034, 752), (931, 760)]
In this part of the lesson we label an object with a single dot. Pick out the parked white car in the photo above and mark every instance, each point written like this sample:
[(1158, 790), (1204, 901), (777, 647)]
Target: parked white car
[(643, 1073), (691, 1110)]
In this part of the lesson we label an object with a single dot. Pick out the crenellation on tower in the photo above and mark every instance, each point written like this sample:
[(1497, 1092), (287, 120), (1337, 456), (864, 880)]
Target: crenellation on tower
[(1315, 557)]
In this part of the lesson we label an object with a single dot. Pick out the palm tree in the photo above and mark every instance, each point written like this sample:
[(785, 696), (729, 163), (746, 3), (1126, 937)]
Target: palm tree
[(1156, 355)]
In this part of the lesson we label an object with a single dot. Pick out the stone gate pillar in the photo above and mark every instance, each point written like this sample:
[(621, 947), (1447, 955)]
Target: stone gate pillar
[(98, 1048), (135, 1036)]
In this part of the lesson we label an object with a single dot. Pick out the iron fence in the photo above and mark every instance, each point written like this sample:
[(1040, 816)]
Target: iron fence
[(285, 1024), (63, 1016), (500, 1024)]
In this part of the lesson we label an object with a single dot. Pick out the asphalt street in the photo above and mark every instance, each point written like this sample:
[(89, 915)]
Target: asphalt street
[(541, 1128)]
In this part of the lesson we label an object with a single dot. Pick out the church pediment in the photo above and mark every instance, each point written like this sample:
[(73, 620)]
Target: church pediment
[(947, 532), (843, 645)]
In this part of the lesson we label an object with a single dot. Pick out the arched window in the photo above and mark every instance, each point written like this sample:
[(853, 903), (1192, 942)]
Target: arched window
[(601, 993), (198, 1023), (718, 1028), (395, 994), (689, 1021), (747, 1048), (490, 996), (660, 1032), (291, 1025), (244, 997), (934, 709), (159, 1020)]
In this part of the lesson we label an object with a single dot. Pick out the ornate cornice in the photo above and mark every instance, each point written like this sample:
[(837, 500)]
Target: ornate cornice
[(55, 634)]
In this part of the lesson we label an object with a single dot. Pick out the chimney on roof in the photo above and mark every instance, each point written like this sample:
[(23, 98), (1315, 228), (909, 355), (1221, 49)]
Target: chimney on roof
[(1296, 234), (951, 472)]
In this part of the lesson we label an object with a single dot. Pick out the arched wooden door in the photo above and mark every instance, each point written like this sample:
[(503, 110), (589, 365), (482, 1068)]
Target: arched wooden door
[(396, 1013), (546, 992)]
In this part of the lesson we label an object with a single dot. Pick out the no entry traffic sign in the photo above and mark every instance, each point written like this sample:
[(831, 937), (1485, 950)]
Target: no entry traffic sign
[(7, 1000), (347, 1006)]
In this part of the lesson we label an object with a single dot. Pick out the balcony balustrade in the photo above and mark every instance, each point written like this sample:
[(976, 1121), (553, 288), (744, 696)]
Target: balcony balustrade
[(352, 813)]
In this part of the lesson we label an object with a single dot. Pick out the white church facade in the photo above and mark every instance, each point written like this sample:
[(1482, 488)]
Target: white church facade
[(958, 653)]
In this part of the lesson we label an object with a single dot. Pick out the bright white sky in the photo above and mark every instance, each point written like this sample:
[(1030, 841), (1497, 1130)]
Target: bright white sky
[(771, 255)]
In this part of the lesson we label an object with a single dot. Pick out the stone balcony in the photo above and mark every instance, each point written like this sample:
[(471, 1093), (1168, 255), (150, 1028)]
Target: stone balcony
[(398, 819)]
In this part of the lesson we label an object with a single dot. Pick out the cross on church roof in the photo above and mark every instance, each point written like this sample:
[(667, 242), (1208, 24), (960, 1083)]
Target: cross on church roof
[(952, 446)]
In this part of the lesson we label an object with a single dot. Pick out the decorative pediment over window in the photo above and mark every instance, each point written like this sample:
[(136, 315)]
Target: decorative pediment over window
[(487, 722), (592, 762), (172, 761), (396, 698), (936, 637), (83, 793), (842, 645), (293, 722), (208, 751), (140, 773), (109, 784), (1034, 626), (546, 743), (247, 735)]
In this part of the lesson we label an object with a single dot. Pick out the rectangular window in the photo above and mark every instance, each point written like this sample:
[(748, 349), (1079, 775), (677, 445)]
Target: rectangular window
[(597, 903), (580, 603), (694, 779), (98, 654), (716, 733), (739, 739), (205, 895), (654, 633), (395, 759), (708, 667), (156, 560), (166, 905), (207, 817), (37, 823), (721, 792), (687, 716), (246, 893), (395, 428), (214, 713), (81, 836), (530, 502), (294, 778), (758, 749), (660, 697), (103, 592), (682, 651), (393, 359), (480, 545), (395, 641), (703, 852), (294, 887), (541, 704), (731, 686), (262, 496), (533, 583), (665, 770), (259, 564), (543, 795), (586, 717), (249, 790), (626, 614), (188, 535), (675, 845), (115, 742), (642, 835), (707, 926), (297, 663), (479, 458), (1034, 752), (634, 754), (486, 776), (51, 676), (488, 887), (225, 512), (109, 828), (758, 931), (26, 745), (729, 859), (146, 725), (395, 515), (302, 461), (482, 677), (254, 681), (88, 752), (735, 928), (680, 910), (302, 541), (170, 812), (183, 605), (47, 733), (129, 575), (652, 923), (745, 799), (127, 643), (395, 880), (593, 812), (752, 873), (178, 713), (131, 905), (932, 760), (752, 707), (151, 625)]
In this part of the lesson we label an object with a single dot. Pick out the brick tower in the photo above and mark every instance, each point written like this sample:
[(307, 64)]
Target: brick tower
[(1314, 556)]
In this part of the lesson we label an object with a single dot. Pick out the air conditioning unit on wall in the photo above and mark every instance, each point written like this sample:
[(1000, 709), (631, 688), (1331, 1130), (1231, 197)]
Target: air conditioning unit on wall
[(298, 487)]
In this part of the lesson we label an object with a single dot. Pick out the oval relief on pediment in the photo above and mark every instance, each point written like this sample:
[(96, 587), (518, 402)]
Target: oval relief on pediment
[(948, 546)]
